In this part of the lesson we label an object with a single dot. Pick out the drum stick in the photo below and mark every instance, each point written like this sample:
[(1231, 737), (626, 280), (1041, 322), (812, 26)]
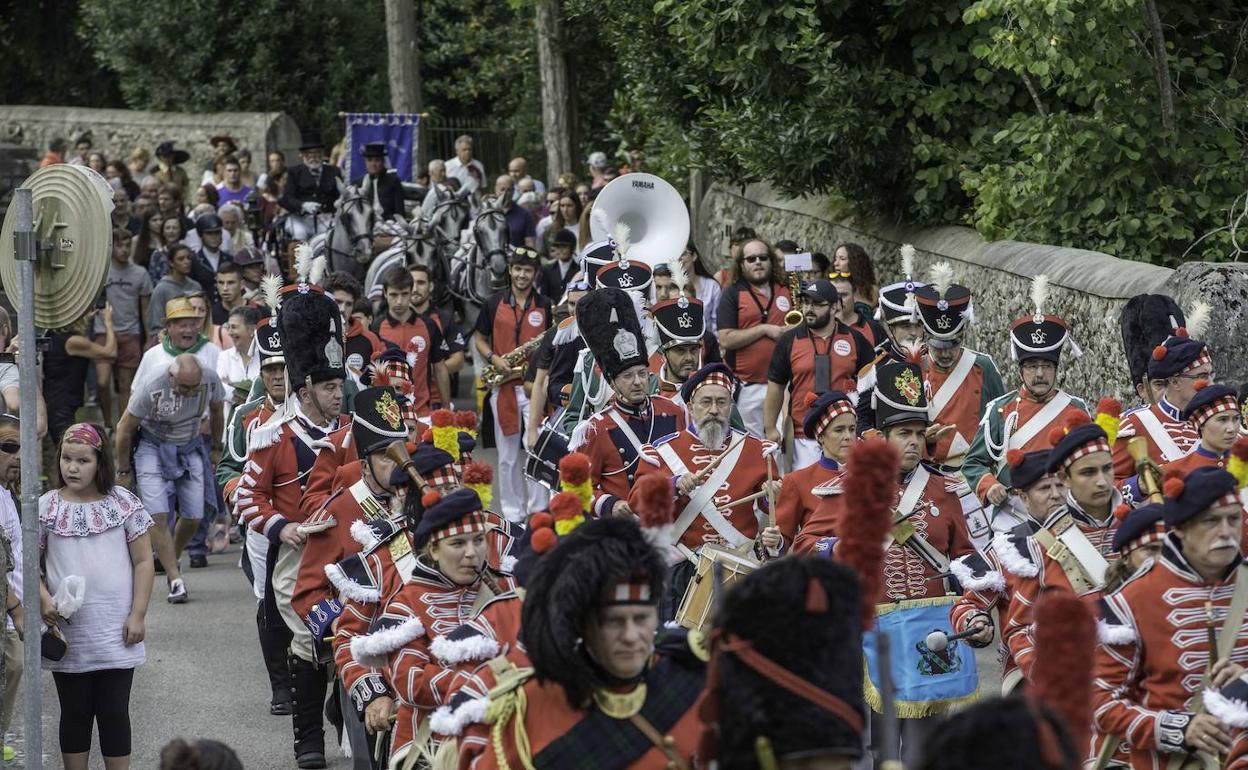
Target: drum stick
[(701, 475), (771, 498), (739, 501)]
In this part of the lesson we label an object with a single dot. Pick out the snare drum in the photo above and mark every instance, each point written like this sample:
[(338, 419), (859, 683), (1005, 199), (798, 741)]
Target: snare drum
[(542, 464), (695, 607)]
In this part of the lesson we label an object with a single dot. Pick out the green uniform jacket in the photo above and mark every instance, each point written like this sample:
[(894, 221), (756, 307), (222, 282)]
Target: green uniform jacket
[(987, 455)]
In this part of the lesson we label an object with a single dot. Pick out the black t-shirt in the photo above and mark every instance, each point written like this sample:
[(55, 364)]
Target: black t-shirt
[(64, 378)]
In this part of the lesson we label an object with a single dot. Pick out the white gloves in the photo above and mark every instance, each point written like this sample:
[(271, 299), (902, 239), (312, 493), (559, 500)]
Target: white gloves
[(311, 207)]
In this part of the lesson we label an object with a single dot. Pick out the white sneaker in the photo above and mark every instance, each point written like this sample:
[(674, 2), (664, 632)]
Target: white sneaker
[(177, 592)]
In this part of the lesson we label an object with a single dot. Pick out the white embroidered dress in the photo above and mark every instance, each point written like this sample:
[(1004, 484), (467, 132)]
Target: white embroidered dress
[(92, 540)]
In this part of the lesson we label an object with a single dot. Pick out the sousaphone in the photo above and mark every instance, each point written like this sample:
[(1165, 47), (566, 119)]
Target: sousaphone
[(73, 240), (656, 216)]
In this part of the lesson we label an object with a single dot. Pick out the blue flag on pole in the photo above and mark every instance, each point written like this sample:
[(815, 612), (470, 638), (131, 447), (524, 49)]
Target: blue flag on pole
[(396, 129)]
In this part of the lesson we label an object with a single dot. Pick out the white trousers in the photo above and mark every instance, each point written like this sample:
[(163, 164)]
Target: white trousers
[(750, 405), (302, 227), (806, 451), (257, 554), (515, 497)]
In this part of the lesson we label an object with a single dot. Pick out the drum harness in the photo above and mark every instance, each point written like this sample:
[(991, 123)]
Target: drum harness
[(700, 501)]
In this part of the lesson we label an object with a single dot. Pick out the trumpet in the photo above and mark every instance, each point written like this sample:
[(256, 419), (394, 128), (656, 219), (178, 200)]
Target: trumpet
[(798, 313), (516, 361)]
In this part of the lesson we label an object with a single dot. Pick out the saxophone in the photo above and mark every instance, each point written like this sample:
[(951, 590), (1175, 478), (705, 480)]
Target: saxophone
[(516, 362), (797, 314)]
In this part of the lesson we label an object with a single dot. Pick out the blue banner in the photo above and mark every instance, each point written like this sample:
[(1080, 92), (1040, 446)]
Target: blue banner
[(925, 681), (396, 129)]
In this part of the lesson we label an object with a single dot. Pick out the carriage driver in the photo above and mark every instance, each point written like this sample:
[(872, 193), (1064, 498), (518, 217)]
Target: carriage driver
[(380, 186), (311, 189)]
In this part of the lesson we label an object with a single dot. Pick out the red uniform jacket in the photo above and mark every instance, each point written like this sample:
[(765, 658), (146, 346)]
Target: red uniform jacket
[(320, 482), (797, 500), (682, 453), (965, 408), (983, 590), (248, 422), (906, 576), (1030, 571), (1181, 432), (331, 545), (1154, 651), (1026, 407), (613, 456), (279, 461)]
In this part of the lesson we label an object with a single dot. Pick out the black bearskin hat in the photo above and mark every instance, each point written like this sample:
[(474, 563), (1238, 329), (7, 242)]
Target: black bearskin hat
[(1146, 321), (608, 322), (816, 602), (572, 579), (997, 733), (311, 331)]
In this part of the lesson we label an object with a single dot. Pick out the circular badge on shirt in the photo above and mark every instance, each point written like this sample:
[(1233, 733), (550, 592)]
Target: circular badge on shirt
[(419, 343), (783, 304), (355, 362), (535, 319), (841, 347)]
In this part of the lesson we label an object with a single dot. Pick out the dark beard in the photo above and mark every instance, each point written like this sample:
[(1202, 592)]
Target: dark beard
[(763, 281)]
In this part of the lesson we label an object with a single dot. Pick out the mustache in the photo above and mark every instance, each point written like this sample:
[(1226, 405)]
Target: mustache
[(1224, 542)]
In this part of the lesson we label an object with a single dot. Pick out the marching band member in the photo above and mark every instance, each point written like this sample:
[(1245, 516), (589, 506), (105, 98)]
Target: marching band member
[(847, 311), (614, 437), (961, 382), (420, 339), (1035, 493), (1022, 420), (281, 455), (899, 311), (451, 583), (508, 320), (831, 421), (334, 532), (820, 354), (554, 362), (1071, 548), (681, 327), (1139, 537), (751, 318), (928, 532), (713, 506), (599, 678), (1213, 413), (1174, 368), (1174, 630), (274, 639), (757, 715)]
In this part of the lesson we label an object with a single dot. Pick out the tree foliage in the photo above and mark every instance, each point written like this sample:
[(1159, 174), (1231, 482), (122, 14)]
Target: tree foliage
[(42, 63), (1031, 120)]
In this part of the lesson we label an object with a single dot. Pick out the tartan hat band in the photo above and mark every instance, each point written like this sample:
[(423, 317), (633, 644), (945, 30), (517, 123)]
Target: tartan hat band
[(467, 525), (1099, 444)]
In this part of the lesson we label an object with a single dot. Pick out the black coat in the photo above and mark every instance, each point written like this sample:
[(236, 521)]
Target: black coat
[(551, 283), (389, 191), (302, 188), (203, 274)]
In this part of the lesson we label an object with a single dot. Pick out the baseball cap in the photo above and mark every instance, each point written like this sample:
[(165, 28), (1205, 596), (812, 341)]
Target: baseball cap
[(822, 290)]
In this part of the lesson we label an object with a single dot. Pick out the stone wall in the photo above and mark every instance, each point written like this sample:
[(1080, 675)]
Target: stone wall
[(117, 132), (1088, 288)]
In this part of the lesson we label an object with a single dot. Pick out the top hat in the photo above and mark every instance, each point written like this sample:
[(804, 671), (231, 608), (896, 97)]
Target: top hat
[(374, 150), (311, 140)]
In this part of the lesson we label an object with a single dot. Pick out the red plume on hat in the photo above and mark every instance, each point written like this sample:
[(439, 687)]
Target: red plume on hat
[(871, 482), (1122, 511), (811, 398), (1015, 457), (654, 502), (574, 468), (1073, 420), (1065, 633)]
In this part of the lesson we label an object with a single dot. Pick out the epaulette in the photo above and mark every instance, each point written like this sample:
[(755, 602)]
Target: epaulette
[(829, 488), (1112, 627), (268, 434), (568, 331), (691, 649), (379, 532), (973, 572), (1014, 552), (388, 633), (465, 644), (353, 579)]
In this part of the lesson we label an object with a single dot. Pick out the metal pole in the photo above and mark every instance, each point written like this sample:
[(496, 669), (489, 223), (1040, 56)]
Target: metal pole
[(32, 681)]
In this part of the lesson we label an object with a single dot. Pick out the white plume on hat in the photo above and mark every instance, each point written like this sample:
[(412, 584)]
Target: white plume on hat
[(907, 260), (303, 261), (680, 276), (1039, 292), (1198, 321), (621, 234), (271, 286), (942, 278)]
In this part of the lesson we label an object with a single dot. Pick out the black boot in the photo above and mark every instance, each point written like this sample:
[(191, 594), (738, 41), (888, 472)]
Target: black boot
[(308, 686), (273, 645)]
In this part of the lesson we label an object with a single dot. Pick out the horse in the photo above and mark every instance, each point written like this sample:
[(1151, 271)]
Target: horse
[(479, 266), (348, 243)]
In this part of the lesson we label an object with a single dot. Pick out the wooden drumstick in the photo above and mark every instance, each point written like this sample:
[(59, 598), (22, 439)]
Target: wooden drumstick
[(739, 501), (1137, 447), (771, 497), (397, 451)]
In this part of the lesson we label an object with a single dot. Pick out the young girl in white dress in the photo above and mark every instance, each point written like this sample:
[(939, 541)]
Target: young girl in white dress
[(96, 530)]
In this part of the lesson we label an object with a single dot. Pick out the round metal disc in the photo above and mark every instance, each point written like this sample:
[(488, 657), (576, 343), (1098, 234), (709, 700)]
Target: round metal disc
[(73, 206)]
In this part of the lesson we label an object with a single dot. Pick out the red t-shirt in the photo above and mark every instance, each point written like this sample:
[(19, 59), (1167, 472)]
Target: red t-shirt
[(793, 364), (422, 342)]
